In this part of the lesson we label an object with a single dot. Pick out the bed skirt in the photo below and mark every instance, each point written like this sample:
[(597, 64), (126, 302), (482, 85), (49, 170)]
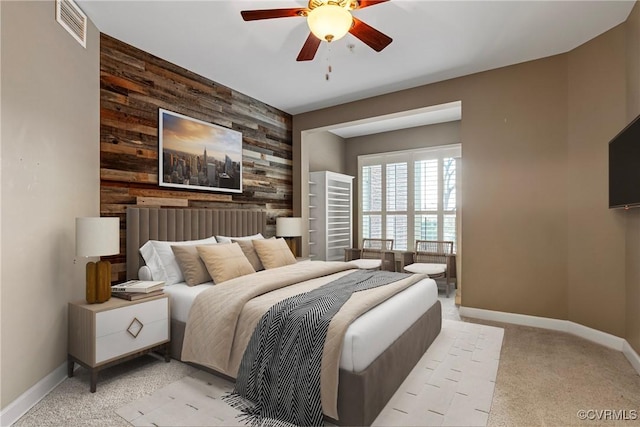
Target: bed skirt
[(362, 395)]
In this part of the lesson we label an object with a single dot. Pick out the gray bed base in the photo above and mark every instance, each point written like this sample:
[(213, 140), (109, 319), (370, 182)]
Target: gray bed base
[(361, 395)]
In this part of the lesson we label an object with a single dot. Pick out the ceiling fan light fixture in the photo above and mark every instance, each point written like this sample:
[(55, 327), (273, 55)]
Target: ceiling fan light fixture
[(329, 22)]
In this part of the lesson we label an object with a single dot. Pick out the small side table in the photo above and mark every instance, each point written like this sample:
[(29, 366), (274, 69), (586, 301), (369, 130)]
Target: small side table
[(103, 335)]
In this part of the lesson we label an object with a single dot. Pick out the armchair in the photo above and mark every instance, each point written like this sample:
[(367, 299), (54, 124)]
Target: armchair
[(434, 258), (375, 254)]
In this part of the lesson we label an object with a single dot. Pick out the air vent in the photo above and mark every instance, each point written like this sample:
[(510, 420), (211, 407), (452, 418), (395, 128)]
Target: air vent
[(69, 15)]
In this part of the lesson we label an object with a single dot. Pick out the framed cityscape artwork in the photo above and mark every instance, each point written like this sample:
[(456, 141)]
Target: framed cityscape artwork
[(197, 155)]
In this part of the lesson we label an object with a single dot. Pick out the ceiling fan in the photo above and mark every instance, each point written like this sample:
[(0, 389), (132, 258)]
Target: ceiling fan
[(328, 20)]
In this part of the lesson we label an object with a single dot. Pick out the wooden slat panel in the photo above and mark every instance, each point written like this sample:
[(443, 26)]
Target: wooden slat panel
[(126, 176), (175, 194), (161, 201), (133, 85)]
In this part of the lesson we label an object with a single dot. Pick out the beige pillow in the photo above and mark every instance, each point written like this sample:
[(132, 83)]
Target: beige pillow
[(250, 253), (192, 267), (274, 253), (225, 262)]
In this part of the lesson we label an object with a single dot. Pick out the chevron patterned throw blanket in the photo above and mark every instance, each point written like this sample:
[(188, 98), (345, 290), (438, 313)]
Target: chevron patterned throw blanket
[(279, 378)]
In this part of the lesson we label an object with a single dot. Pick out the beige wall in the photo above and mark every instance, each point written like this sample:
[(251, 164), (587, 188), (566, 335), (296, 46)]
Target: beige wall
[(1, 401), (632, 255), (326, 152), (1, 404), (514, 193), (403, 139), (597, 112), (50, 175), (633, 279)]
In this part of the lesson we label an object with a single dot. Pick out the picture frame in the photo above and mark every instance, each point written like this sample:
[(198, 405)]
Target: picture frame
[(197, 155)]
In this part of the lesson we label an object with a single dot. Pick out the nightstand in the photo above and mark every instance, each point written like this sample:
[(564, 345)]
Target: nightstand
[(103, 335)]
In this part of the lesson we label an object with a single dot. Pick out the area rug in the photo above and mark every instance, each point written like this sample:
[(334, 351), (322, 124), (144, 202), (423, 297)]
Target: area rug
[(452, 385)]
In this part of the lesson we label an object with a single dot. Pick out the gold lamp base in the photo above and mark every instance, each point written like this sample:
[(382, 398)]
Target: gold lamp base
[(98, 282)]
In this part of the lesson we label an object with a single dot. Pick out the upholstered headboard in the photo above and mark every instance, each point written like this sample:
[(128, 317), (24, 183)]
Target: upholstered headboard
[(145, 224)]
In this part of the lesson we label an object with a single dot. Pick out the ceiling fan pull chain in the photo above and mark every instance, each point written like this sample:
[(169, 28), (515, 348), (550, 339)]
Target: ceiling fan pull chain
[(329, 69)]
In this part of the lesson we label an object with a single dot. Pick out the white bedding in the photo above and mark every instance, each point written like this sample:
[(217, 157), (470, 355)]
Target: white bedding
[(366, 338)]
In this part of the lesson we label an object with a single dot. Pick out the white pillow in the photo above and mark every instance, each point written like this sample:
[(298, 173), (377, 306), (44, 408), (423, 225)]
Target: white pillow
[(225, 239), (144, 273), (162, 262)]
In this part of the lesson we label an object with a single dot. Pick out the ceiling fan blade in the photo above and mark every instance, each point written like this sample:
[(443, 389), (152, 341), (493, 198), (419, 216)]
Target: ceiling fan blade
[(367, 3), (254, 15), (309, 48), (369, 35)]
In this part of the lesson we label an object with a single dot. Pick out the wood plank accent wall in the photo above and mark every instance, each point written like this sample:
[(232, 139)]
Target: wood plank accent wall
[(133, 85)]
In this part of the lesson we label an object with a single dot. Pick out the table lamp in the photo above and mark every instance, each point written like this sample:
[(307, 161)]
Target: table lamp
[(289, 228), (98, 237)]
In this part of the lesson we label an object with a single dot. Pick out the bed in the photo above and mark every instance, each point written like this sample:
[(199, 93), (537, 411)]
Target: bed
[(376, 355)]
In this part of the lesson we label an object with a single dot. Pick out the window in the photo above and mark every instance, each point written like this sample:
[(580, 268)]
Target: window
[(409, 195)]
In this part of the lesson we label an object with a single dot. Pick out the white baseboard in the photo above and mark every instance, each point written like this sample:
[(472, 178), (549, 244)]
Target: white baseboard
[(13, 411), (515, 319), (599, 337), (631, 356), (594, 335)]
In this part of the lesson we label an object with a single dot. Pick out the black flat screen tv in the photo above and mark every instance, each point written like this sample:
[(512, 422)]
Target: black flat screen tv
[(624, 167)]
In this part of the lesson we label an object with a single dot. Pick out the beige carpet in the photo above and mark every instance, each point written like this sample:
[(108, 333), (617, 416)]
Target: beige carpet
[(452, 384), (547, 377)]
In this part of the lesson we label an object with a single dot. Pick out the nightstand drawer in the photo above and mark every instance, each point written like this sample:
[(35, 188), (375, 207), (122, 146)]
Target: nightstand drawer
[(122, 342), (119, 319)]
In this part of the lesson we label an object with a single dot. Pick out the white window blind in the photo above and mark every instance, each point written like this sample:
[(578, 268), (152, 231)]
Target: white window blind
[(419, 190), (371, 179), (397, 201)]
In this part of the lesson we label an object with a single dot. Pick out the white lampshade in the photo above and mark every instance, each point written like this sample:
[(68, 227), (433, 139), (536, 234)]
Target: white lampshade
[(329, 22), (288, 227), (97, 236)]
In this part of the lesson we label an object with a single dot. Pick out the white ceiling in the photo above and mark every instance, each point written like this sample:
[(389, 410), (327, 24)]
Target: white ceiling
[(432, 41)]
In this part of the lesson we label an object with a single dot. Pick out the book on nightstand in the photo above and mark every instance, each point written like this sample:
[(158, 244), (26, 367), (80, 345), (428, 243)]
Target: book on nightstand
[(141, 286), (134, 296)]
